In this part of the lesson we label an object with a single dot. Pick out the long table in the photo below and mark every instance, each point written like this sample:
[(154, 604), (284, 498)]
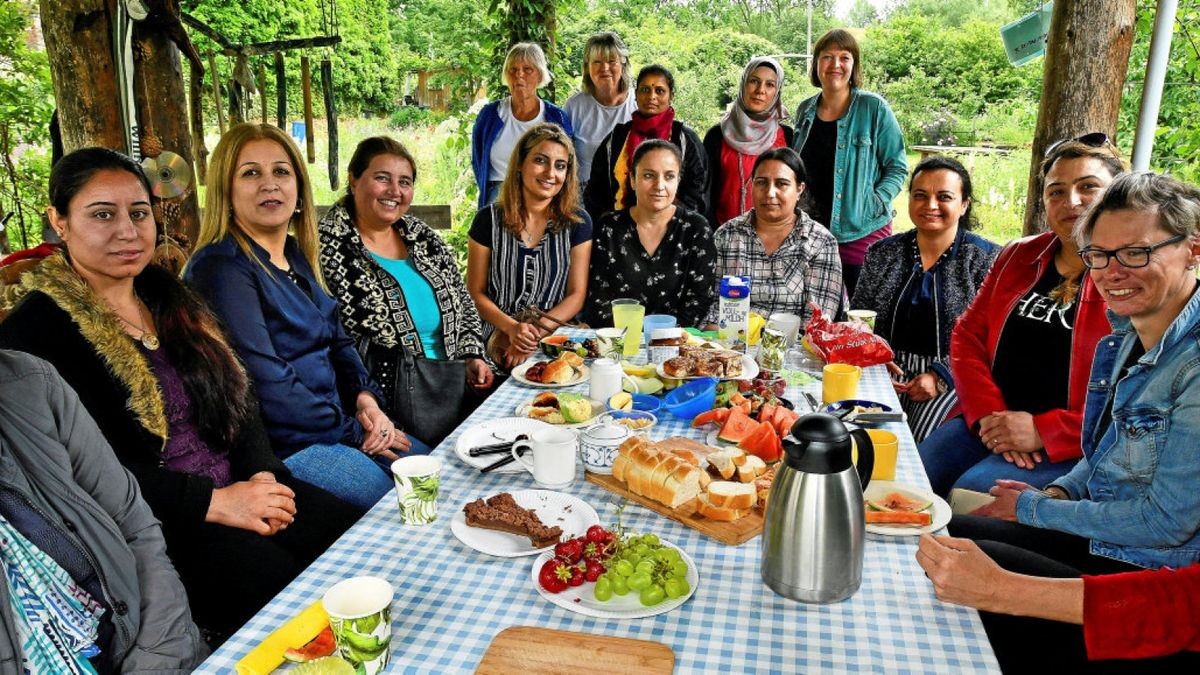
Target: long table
[(451, 600)]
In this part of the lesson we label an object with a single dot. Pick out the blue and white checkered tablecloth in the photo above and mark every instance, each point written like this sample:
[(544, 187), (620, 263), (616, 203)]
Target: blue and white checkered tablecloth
[(451, 600)]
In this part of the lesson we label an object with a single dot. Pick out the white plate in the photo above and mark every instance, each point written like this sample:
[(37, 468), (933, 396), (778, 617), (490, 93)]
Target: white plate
[(749, 371), (597, 408), (877, 489), (556, 509), (620, 606), (581, 375), (501, 430)]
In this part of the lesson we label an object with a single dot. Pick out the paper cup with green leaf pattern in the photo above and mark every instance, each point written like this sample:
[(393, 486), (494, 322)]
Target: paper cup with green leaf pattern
[(417, 481), (360, 615)]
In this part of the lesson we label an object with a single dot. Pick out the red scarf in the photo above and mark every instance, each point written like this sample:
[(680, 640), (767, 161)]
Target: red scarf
[(643, 128)]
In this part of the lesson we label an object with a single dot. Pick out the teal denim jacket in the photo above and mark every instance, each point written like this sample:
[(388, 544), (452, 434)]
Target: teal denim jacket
[(1135, 492), (870, 165)]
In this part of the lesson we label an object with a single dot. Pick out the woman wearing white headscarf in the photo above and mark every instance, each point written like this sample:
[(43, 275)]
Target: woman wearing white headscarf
[(752, 125)]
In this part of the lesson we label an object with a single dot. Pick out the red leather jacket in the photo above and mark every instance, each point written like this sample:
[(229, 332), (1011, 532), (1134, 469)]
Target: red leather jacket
[(1139, 615), (973, 343)]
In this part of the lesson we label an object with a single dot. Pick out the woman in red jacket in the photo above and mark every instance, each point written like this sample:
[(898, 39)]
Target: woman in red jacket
[(1022, 351), (1152, 614)]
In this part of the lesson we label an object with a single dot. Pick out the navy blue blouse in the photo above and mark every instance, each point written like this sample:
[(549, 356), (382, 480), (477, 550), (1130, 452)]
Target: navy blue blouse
[(306, 371)]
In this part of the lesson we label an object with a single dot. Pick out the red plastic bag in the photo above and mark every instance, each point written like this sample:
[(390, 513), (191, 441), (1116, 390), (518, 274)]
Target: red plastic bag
[(845, 342)]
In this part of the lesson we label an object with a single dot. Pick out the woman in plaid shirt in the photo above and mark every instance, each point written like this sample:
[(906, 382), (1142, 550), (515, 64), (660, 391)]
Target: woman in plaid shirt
[(791, 259)]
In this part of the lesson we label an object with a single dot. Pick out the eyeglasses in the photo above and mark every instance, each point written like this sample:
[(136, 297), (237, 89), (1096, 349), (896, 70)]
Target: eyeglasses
[(1094, 139), (1128, 256)]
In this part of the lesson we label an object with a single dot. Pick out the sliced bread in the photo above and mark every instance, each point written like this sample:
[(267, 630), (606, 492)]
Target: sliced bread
[(706, 508), (732, 495)]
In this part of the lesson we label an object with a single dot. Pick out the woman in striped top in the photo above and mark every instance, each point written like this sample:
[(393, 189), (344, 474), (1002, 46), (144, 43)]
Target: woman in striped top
[(532, 247)]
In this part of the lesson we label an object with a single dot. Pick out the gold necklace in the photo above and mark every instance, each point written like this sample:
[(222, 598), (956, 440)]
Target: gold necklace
[(149, 340)]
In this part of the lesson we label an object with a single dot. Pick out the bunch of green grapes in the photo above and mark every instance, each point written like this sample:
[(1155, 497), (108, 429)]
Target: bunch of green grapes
[(643, 565)]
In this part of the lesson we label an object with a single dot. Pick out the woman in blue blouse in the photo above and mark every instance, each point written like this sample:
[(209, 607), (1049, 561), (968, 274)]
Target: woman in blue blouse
[(532, 247), (321, 409)]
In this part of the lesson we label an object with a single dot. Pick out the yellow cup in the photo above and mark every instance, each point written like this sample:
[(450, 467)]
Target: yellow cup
[(887, 445), (840, 382)]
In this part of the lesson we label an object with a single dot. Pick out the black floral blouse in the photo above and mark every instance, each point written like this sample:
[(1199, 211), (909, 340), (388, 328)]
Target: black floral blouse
[(679, 279)]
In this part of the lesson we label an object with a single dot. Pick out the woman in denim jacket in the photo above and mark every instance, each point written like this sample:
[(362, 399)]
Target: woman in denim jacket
[(1132, 501), (852, 146)]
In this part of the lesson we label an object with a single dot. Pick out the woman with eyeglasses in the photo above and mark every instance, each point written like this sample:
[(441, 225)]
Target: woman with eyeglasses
[(1020, 353), (1132, 502)]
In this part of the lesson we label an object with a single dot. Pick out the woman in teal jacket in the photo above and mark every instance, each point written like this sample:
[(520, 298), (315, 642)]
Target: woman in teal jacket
[(853, 149)]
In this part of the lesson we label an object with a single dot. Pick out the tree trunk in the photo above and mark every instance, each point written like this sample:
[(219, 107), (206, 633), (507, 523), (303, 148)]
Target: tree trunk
[(1087, 56), (159, 99), (79, 44)]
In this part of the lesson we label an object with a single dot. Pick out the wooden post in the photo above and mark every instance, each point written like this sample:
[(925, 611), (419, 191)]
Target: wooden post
[(262, 90), (216, 87), (280, 92), (196, 115), (331, 116), (160, 111), (1087, 56), (306, 87), (79, 44)]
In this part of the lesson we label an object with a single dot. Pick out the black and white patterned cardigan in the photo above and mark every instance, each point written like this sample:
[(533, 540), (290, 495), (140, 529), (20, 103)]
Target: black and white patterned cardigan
[(370, 300)]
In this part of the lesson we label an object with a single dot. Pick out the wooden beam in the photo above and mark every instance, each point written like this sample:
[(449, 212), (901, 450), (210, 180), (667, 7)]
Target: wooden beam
[(216, 87), (196, 116), (331, 116), (260, 48), (206, 30), (280, 92), (306, 87)]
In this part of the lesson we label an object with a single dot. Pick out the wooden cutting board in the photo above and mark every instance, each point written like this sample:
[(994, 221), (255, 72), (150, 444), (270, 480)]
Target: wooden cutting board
[(521, 650), (737, 532)]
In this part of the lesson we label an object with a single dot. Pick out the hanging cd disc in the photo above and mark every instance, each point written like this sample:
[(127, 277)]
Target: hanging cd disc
[(169, 174)]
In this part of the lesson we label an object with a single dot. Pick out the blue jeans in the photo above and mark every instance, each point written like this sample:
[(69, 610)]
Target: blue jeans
[(956, 458), (344, 472)]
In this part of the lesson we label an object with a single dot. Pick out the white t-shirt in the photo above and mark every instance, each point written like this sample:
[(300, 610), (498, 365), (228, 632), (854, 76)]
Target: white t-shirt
[(592, 123), (509, 135)]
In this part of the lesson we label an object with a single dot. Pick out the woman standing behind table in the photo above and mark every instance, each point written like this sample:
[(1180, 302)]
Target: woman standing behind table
[(1022, 351), (654, 251), (501, 123), (854, 151), (266, 287), (791, 259), (609, 188), (153, 368), (605, 100), (530, 248), (752, 125), (919, 282), (398, 287)]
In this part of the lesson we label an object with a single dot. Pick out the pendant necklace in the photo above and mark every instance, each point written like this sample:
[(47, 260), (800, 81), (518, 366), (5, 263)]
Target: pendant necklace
[(149, 340)]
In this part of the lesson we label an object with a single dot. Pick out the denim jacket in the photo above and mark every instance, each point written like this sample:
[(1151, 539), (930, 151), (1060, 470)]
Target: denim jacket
[(870, 173), (1135, 494)]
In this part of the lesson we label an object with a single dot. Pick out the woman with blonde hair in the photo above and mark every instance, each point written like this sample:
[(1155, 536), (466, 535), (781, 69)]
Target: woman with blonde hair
[(321, 409), (532, 247), (501, 123), (605, 100)]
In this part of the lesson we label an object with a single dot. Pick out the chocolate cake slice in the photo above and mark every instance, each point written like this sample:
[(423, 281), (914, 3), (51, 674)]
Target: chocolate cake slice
[(502, 513)]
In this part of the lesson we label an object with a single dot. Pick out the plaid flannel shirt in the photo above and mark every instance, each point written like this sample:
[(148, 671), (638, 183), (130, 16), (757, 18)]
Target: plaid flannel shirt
[(805, 268)]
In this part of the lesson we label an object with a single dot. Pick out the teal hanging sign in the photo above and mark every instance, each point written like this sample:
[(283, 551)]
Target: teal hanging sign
[(1025, 38)]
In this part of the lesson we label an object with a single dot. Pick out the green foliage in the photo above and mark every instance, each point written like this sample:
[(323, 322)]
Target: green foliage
[(26, 103)]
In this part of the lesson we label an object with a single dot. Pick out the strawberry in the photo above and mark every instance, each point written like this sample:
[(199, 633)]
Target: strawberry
[(555, 575), (593, 571), (570, 550), (576, 578)]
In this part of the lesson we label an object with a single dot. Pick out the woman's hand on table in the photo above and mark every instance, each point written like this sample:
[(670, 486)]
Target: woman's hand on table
[(258, 505), (962, 574), (479, 374), (1004, 506), (1009, 431)]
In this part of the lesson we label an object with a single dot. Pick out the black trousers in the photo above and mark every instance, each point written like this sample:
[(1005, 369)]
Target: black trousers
[(1025, 645), (230, 573)]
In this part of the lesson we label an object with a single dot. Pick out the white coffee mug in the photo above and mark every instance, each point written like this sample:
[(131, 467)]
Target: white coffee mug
[(606, 379), (554, 457)]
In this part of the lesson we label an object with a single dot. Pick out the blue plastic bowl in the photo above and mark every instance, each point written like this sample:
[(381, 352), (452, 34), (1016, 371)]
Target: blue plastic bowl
[(646, 403), (693, 398)]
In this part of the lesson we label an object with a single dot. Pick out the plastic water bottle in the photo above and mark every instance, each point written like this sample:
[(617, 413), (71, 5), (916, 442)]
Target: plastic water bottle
[(734, 310)]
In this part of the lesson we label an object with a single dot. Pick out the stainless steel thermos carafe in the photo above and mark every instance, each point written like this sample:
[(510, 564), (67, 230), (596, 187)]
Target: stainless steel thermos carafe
[(813, 537)]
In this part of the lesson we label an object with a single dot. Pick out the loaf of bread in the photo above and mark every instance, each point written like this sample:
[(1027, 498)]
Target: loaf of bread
[(658, 474)]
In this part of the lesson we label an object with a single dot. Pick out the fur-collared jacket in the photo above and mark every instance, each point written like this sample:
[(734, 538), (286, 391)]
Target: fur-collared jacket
[(61, 320)]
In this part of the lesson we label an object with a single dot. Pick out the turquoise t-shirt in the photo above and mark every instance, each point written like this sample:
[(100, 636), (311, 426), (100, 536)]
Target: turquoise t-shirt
[(422, 306)]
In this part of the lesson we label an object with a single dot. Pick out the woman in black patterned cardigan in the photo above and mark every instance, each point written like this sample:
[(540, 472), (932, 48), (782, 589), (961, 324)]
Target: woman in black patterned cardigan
[(396, 281), (920, 281)]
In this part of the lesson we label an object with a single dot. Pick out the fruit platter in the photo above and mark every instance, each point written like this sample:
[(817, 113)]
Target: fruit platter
[(896, 509), (614, 574), (561, 409)]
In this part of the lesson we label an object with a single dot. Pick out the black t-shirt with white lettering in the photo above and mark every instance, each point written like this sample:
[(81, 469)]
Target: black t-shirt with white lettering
[(1033, 357)]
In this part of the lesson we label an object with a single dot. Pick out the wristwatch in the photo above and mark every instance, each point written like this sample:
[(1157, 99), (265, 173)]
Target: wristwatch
[(941, 385)]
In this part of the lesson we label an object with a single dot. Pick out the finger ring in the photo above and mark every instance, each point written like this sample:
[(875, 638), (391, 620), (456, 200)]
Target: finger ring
[(384, 432)]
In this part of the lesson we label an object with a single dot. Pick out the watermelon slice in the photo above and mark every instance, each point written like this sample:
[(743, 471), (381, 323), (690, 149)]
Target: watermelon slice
[(895, 501), (714, 416), (322, 645), (766, 412), (737, 426), (761, 442)]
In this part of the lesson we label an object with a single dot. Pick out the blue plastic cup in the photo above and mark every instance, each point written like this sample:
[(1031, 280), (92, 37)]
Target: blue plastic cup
[(653, 321)]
